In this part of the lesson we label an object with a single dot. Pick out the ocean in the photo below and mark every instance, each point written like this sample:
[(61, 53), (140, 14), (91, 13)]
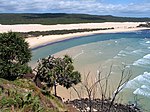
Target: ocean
[(98, 52)]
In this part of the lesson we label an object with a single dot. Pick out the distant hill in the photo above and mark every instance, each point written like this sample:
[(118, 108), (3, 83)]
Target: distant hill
[(62, 18)]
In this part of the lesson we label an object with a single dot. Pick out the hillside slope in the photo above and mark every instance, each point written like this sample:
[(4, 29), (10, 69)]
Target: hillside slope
[(23, 96), (62, 18)]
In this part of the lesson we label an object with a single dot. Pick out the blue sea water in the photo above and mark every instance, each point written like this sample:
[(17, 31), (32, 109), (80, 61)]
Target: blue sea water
[(130, 48)]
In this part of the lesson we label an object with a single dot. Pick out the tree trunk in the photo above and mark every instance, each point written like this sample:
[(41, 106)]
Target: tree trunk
[(90, 103), (35, 79), (55, 90)]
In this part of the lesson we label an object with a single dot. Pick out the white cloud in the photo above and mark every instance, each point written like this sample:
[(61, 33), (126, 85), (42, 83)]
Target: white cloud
[(72, 6)]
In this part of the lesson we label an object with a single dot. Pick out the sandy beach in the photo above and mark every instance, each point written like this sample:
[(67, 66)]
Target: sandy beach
[(42, 40)]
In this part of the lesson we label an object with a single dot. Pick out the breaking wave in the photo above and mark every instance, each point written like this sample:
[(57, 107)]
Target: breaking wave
[(140, 84)]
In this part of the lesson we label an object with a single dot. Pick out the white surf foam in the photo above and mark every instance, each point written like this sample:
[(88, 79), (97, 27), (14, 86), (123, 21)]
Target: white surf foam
[(143, 61), (147, 42), (116, 57), (116, 41), (124, 52), (139, 51), (143, 90), (147, 56), (138, 81), (78, 54), (100, 52), (121, 54)]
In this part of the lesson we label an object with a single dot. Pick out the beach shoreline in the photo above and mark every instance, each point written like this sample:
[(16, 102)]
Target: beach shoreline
[(36, 42), (91, 56)]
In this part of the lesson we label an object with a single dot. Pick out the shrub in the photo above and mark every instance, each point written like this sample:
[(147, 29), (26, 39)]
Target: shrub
[(14, 56)]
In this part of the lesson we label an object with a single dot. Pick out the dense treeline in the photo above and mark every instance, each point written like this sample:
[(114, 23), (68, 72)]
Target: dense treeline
[(57, 32), (62, 18)]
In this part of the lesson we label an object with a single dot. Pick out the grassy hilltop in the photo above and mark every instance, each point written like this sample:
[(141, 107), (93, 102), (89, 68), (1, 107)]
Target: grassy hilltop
[(62, 18)]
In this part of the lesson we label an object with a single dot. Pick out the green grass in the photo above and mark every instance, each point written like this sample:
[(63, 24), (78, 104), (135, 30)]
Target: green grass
[(24, 96), (61, 18)]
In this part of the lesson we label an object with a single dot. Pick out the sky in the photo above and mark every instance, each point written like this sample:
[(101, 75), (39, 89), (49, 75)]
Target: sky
[(125, 8)]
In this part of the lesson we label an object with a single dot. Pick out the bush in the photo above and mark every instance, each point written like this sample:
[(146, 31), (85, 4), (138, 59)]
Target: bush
[(14, 56)]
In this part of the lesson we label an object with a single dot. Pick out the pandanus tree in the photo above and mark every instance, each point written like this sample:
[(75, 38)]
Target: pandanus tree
[(14, 56), (53, 71)]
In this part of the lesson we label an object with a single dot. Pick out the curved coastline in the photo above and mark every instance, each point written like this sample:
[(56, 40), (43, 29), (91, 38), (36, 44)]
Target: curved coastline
[(50, 39), (57, 41), (76, 37), (37, 42)]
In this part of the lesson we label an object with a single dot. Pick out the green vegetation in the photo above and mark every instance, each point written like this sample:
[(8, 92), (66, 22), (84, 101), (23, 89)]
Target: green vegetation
[(57, 32), (144, 25), (53, 71), (14, 56), (23, 96), (62, 18)]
